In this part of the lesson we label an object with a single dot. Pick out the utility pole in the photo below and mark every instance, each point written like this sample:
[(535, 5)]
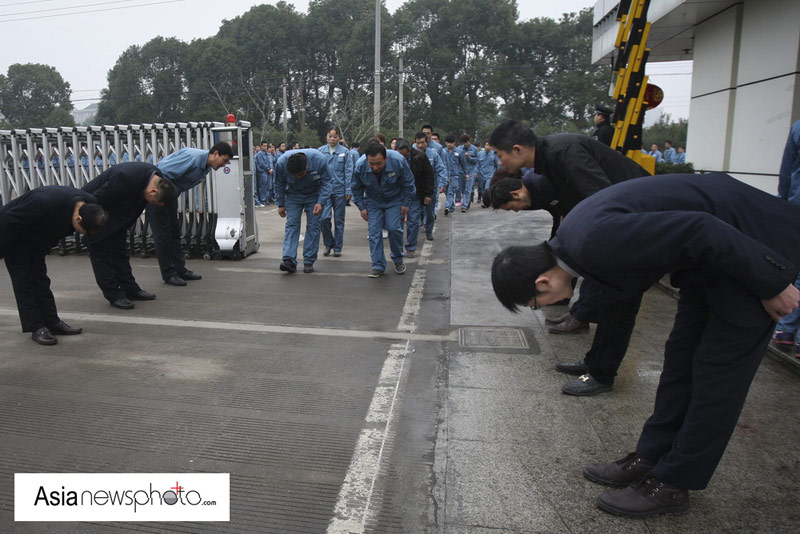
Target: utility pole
[(400, 99), (376, 121), (285, 114)]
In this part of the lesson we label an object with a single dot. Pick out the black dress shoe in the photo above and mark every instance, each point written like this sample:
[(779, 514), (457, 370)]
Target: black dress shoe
[(189, 275), (327, 251), (584, 386), (621, 473), (308, 268), (648, 497), (288, 267), (141, 295), (572, 368), (123, 304), (63, 329), (570, 326), (43, 337), (175, 281)]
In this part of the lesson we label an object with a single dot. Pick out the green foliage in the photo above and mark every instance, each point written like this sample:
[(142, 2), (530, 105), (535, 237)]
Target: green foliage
[(666, 130), (35, 96), (674, 168)]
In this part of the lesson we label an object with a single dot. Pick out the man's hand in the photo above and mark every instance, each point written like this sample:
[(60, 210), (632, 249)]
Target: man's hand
[(317, 209), (427, 200), (404, 211), (348, 197), (783, 303), (364, 215), (282, 211), (441, 189)]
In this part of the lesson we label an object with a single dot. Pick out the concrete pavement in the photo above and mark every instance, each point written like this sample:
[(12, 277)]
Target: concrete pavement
[(339, 403)]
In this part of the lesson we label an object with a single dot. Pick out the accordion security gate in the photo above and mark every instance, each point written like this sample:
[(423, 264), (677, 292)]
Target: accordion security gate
[(73, 156)]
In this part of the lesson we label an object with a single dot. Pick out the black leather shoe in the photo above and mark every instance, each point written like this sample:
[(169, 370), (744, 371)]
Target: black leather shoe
[(44, 337), (572, 368), (327, 251), (308, 268), (63, 329), (585, 385), (646, 498), (141, 295), (570, 326), (560, 319), (621, 473), (175, 281), (123, 304), (189, 275), (288, 267)]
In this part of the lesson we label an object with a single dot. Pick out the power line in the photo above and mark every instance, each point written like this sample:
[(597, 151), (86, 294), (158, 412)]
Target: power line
[(64, 8), (91, 11)]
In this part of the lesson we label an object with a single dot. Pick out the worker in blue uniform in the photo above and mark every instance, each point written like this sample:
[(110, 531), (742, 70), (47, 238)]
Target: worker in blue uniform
[(456, 165), (487, 166), (383, 189), (471, 176), (263, 177), (340, 169), (185, 168), (302, 184), (440, 173)]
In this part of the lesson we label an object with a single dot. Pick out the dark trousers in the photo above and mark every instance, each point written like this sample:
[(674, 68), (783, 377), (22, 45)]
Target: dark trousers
[(590, 301), (709, 364), (614, 328), (165, 222), (111, 264), (28, 273)]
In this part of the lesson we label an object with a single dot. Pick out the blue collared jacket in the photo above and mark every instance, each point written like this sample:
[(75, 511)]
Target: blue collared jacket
[(396, 183), (316, 181), (263, 163), (438, 167), (185, 168), (455, 163), (789, 177), (487, 163), (340, 169), (471, 157)]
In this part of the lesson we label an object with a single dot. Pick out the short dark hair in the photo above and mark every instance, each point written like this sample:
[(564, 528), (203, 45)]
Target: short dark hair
[(166, 191), (450, 138), (510, 133), (501, 191), (263, 143), (428, 126), (436, 134), (296, 163), (374, 149), (403, 144), (420, 135), (93, 217), (514, 273), (335, 128), (222, 148), (464, 138), (355, 145), (667, 141)]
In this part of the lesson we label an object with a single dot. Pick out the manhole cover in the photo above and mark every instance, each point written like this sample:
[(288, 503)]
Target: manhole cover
[(499, 338)]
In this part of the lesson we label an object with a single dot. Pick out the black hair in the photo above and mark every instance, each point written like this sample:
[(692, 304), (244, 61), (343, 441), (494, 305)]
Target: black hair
[(668, 141), (450, 138), (296, 163), (381, 137), (222, 148), (514, 273), (355, 145), (374, 149), (510, 133), (464, 138), (166, 191), (263, 143), (501, 191), (428, 126), (403, 143), (335, 128), (420, 135), (436, 134), (93, 217)]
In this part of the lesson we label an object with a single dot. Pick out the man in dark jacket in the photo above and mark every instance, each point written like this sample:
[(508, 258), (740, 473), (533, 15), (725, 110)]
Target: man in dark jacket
[(576, 167), (716, 237), (123, 190), (604, 131), (29, 226), (424, 183)]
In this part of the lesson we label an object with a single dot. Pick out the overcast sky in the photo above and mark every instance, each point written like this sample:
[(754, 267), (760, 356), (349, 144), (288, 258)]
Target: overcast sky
[(83, 46)]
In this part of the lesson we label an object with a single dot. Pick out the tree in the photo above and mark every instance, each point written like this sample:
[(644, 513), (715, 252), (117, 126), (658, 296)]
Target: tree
[(35, 96), (665, 130)]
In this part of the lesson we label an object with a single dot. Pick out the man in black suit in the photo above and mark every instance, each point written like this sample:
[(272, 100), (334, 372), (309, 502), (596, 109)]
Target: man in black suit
[(717, 238), (29, 226), (123, 190), (575, 167)]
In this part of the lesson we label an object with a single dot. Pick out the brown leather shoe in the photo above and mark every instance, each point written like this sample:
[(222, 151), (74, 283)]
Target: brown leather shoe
[(647, 498), (560, 319), (621, 473), (570, 326)]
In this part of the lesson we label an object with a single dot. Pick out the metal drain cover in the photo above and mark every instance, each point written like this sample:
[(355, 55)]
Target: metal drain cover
[(499, 338)]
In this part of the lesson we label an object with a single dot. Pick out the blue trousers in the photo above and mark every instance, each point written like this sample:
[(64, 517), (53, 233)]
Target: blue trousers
[(336, 206), (453, 193), (469, 185), (415, 211), (294, 213), (482, 182), (390, 216), (429, 214), (262, 191)]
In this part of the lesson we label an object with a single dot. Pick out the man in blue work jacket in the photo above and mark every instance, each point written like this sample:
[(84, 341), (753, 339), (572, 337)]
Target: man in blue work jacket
[(302, 184), (263, 176), (487, 165), (456, 165), (340, 169), (429, 214), (185, 169), (383, 189), (471, 176)]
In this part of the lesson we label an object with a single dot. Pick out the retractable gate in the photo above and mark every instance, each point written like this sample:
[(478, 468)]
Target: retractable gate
[(73, 156)]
